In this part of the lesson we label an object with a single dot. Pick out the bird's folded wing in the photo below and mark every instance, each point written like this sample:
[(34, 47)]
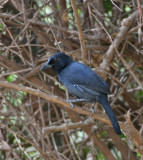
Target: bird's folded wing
[(86, 90), (83, 76)]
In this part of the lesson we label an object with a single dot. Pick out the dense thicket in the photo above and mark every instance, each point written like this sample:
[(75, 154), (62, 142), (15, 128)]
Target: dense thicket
[(36, 122)]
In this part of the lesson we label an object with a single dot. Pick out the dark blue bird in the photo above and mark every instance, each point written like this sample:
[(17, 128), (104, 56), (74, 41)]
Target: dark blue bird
[(82, 82)]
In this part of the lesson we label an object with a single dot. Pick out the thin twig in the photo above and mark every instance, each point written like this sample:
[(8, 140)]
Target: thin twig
[(79, 27), (66, 127)]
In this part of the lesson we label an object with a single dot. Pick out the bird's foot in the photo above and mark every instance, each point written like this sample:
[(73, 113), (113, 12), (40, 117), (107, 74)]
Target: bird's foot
[(72, 105), (70, 101), (92, 109)]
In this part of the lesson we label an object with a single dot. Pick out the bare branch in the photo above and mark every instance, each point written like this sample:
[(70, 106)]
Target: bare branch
[(81, 37)]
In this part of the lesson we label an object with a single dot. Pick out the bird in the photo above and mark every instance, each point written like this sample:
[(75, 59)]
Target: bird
[(82, 82)]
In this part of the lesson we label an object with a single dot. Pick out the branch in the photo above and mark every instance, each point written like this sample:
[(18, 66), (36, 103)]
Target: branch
[(127, 128), (125, 26), (132, 134), (55, 99), (5, 16), (79, 27), (66, 127)]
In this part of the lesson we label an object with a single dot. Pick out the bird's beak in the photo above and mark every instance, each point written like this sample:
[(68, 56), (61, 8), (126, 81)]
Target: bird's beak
[(46, 66)]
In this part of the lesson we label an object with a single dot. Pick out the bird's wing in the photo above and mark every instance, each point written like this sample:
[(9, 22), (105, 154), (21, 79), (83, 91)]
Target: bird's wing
[(83, 76)]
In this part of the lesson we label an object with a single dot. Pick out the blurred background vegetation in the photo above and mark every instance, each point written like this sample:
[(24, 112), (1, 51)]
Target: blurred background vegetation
[(31, 31)]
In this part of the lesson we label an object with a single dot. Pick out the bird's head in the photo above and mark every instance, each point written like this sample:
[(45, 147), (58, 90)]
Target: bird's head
[(57, 62)]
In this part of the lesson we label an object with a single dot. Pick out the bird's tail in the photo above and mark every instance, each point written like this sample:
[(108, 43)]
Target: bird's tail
[(110, 113)]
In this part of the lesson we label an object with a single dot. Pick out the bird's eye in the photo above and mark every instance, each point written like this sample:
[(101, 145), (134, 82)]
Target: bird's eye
[(52, 61)]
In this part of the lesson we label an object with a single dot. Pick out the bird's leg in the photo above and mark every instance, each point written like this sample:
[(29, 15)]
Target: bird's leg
[(92, 108), (72, 105), (76, 100), (71, 101)]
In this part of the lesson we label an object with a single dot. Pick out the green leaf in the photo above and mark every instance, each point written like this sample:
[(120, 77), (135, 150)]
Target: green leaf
[(127, 8), (12, 77)]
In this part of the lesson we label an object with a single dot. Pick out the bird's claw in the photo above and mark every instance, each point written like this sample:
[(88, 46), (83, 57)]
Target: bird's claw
[(92, 110), (72, 105)]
